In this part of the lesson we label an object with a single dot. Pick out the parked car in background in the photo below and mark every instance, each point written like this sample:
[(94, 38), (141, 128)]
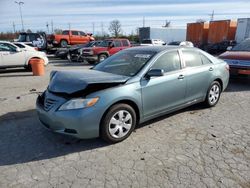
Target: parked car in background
[(13, 56), (174, 43), (181, 43), (37, 39), (105, 49), (25, 46), (152, 42), (238, 58), (220, 47), (70, 37), (76, 54), (130, 87), (63, 52)]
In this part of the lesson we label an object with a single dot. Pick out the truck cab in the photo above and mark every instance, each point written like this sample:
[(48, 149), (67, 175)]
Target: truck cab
[(107, 48)]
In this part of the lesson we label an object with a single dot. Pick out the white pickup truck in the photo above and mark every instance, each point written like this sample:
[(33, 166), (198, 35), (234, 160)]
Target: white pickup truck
[(13, 56)]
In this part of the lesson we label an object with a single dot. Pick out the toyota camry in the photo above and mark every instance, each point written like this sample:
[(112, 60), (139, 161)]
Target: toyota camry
[(128, 88)]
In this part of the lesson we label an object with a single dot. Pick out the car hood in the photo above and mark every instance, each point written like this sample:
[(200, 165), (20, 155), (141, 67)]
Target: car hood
[(83, 82), (237, 55)]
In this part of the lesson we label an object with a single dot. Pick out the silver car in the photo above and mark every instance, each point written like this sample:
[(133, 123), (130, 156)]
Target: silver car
[(128, 88)]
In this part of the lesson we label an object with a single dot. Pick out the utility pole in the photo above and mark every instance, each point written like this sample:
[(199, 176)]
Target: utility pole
[(93, 24), (212, 16), (14, 27), (20, 10), (69, 26), (102, 29), (47, 25), (143, 21), (52, 27)]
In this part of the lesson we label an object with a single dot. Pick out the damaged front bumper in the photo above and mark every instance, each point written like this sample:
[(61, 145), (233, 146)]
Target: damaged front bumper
[(80, 123)]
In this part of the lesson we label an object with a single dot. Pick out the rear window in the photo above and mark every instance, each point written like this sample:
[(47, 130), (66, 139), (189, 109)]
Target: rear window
[(192, 58), (125, 43)]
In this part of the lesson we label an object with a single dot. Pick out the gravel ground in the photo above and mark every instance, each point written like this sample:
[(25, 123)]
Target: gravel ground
[(194, 147)]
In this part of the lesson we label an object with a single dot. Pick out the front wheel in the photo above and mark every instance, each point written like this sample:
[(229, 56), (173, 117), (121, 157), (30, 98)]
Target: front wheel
[(102, 57), (118, 123), (213, 94)]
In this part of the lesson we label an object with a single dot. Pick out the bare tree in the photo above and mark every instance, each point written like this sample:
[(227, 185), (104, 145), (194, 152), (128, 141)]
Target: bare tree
[(115, 28)]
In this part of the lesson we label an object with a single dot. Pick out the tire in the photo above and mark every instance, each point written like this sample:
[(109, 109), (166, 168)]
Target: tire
[(28, 67), (64, 43), (114, 126), (101, 57), (213, 94)]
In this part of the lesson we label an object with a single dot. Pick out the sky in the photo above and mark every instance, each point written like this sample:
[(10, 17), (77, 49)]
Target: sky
[(95, 15)]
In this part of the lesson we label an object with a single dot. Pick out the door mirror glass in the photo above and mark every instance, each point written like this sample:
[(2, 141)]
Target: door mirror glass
[(155, 73)]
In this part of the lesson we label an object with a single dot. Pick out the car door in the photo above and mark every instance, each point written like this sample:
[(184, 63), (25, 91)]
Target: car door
[(10, 55), (74, 37), (116, 46), (160, 94), (83, 38), (199, 73)]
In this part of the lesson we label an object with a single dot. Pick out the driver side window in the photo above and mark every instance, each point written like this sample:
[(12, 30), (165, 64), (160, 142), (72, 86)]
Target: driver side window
[(170, 61)]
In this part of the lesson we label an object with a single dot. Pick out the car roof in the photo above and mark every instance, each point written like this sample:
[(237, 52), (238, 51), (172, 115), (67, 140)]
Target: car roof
[(2, 41), (158, 49)]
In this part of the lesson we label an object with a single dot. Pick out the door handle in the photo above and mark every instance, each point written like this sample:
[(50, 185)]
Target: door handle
[(211, 69), (181, 77)]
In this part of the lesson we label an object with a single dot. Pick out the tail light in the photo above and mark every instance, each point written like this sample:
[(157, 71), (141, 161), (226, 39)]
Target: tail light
[(36, 48), (227, 67)]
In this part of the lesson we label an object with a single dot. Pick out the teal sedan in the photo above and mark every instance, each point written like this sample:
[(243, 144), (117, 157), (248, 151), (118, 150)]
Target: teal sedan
[(128, 88)]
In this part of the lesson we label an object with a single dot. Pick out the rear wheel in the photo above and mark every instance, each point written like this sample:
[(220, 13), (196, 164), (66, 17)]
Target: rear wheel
[(213, 94), (118, 123), (64, 43)]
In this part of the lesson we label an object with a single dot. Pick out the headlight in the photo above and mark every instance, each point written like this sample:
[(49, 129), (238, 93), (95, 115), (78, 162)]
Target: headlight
[(79, 103)]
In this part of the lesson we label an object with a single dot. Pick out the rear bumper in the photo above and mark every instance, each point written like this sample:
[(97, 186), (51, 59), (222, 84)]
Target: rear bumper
[(238, 66), (235, 70)]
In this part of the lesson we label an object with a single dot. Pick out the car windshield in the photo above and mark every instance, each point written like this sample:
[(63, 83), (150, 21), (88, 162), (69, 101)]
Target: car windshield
[(126, 63), (105, 43), (243, 46), (22, 38)]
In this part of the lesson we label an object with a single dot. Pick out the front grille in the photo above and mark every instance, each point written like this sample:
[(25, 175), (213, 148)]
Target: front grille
[(49, 103)]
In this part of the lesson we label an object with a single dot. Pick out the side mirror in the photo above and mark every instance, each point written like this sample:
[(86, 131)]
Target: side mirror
[(155, 73), (18, 50), (229, 48)]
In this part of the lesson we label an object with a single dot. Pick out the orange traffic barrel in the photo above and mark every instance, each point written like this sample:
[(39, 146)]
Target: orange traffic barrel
[(37, 66)]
